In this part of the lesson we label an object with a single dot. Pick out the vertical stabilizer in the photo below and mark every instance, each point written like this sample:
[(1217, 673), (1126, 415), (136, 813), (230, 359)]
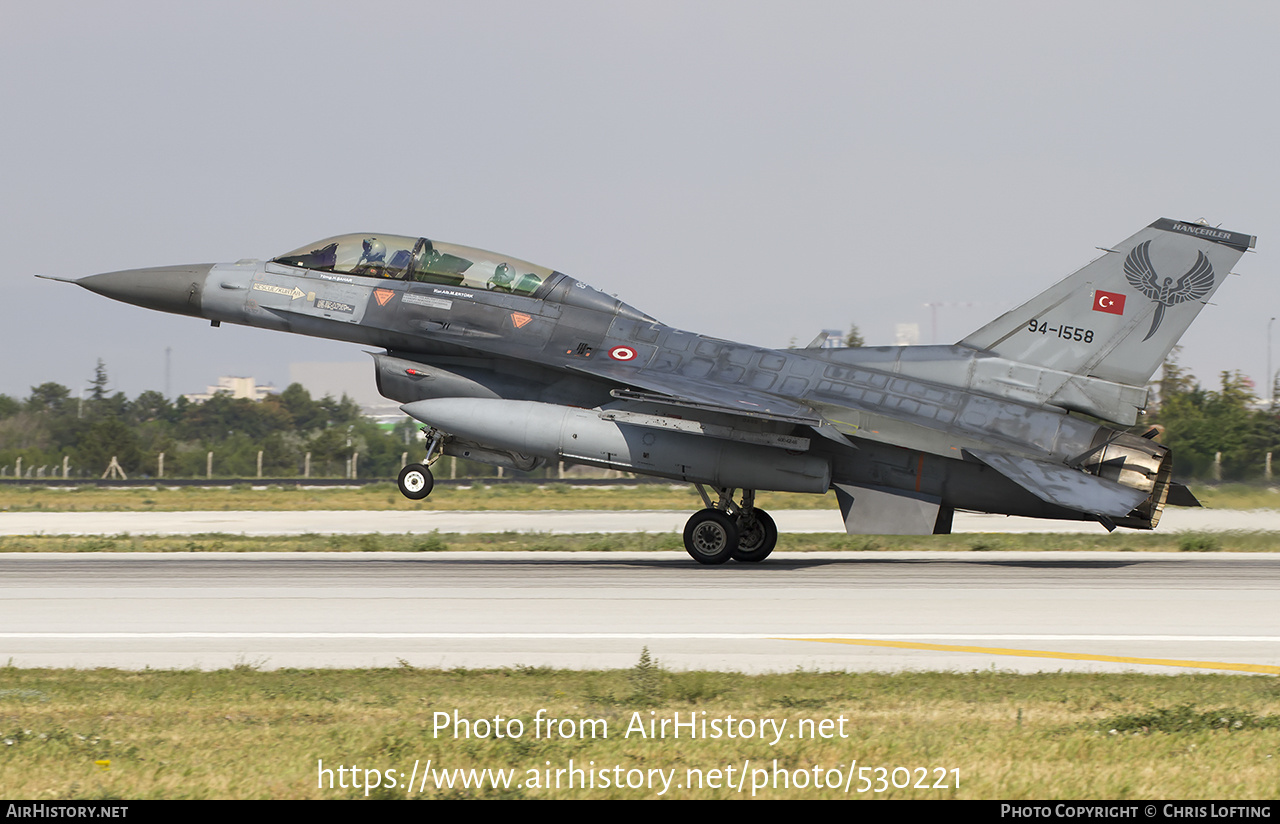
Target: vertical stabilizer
[(1117, 318)]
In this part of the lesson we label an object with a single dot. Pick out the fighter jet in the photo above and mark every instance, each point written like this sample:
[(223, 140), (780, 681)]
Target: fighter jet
[(515, 364)]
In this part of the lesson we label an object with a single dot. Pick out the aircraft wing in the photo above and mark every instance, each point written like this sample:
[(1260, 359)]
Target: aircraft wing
[(676, 390), (687, 393), (1064, 486)]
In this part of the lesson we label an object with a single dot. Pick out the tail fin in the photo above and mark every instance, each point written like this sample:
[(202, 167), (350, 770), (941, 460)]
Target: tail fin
[(1117, 318)]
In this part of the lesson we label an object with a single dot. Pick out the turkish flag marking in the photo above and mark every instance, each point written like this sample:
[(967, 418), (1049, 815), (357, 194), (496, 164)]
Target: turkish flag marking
[(1108, 302), (383, 295)]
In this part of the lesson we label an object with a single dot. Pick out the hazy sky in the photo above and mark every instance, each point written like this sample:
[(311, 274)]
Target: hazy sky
[(754, 171)]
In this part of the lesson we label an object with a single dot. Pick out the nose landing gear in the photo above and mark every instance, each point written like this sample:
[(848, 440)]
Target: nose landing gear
[(416, 480), (727, 530)]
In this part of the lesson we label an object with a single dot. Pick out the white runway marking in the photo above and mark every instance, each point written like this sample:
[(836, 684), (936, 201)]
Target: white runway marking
[(847, 611), (625, 636)]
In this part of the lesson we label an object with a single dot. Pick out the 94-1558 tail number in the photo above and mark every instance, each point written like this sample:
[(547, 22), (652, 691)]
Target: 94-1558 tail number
[(1064, 332)]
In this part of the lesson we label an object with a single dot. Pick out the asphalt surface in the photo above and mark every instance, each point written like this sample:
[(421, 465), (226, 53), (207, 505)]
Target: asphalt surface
[(845, 611), (399, 521)]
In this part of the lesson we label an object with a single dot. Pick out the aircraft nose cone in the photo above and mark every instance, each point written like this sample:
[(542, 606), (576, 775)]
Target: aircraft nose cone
[(176, 289)]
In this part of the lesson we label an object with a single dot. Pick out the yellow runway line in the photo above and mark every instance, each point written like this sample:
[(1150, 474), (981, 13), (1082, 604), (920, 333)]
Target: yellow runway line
[(1036, 653)]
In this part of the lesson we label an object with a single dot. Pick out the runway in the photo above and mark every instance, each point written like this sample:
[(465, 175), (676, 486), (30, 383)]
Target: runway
[(548, 522), (1164, 613)]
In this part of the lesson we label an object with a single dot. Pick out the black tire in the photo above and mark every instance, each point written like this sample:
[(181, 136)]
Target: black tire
[(710, 537), (415, 482), (756, 538)]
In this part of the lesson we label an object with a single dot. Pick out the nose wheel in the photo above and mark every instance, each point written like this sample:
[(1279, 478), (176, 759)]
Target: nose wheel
[(727, 530), (415, 480)]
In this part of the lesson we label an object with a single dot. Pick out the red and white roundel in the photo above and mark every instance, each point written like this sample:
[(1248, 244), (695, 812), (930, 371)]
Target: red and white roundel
[(622, 353)]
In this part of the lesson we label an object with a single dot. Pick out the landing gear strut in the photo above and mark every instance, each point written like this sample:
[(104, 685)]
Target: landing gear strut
[(727, 530), (416, 481)]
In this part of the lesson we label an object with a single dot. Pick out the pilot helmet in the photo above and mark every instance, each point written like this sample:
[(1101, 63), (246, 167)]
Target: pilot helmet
[(374, 250), (501, 275)]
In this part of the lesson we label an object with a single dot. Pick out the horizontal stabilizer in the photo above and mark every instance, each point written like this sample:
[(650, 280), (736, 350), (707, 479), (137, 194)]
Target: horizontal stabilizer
[(1063, 486)]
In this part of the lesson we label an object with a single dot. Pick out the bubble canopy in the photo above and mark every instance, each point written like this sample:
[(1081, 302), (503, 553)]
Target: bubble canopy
[(419, 259)]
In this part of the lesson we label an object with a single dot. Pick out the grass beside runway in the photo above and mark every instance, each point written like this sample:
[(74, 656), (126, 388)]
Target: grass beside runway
[(480, 498), (553, 496), (243, 733), (643, 542)]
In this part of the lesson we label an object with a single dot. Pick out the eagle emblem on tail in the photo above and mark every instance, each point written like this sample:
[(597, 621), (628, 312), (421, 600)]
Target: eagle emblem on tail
[(1194, 285)]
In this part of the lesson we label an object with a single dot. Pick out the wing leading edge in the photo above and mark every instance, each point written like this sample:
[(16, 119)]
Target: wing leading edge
[(740, 401)]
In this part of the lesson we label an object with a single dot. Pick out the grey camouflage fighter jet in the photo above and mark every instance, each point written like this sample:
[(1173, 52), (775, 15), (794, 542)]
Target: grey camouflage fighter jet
[(514, 364)]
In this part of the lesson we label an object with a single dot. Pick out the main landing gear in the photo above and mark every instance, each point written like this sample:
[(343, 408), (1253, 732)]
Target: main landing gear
[(727, 530), (416, 481)]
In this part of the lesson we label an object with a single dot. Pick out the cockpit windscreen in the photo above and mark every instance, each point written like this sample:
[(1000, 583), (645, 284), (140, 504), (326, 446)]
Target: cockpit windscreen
[(419, 259)]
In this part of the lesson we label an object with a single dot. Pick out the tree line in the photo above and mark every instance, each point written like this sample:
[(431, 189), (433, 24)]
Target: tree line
[(51, 424), (1199, 424)]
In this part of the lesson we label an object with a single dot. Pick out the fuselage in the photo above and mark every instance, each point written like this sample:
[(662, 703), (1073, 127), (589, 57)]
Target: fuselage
[(894, 417)]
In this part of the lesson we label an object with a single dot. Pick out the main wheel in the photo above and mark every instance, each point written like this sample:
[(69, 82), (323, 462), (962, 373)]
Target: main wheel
[(415, 482), (710, 536), (757, 536)]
